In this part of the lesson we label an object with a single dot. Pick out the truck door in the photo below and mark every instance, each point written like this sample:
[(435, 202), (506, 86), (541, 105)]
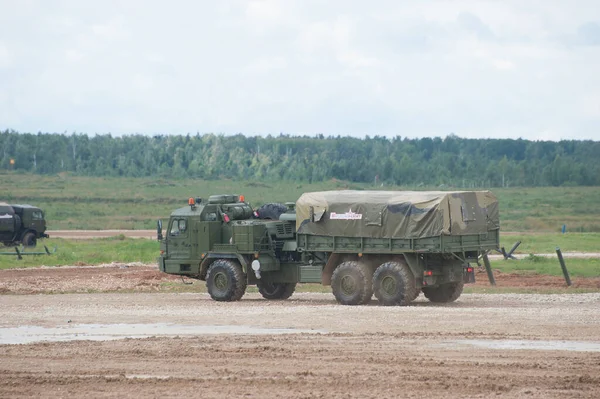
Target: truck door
[(178, 239)]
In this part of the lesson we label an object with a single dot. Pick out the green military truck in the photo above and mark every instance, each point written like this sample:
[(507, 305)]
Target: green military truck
[(21, 224), (389, 243)]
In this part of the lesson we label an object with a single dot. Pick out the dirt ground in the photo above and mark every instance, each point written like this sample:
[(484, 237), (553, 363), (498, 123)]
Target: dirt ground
[(117, 331)]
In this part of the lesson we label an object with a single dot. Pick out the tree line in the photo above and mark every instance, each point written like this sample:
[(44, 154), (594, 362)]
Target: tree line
[(449, 161)]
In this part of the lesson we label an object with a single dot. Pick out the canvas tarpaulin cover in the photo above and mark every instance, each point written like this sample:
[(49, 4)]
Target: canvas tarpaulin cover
[(396, 214)]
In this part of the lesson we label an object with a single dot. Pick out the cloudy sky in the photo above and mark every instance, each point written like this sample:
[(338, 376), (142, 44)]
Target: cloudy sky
[(478, 69)]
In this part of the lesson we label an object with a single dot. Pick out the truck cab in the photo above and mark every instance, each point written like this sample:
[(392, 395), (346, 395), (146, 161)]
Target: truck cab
[(199, 229)]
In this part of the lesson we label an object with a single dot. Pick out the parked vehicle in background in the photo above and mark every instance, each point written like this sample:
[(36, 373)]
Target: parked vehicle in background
[(21, 224)]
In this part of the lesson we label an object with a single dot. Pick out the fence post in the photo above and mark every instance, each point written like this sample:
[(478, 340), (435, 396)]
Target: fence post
[(488, 269), (563, 266)]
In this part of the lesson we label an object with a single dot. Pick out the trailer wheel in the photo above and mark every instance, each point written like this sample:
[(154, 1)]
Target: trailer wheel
[(352, 283), (225, 280), (29, 239), (271, 211), (394, 284), (444, 293), (276, 290)]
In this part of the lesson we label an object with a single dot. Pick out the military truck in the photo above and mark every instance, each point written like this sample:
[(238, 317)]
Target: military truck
[(392, 244), (21, 224)]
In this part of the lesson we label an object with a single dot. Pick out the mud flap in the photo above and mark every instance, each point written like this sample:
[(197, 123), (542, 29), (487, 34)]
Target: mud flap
[(469, 275)]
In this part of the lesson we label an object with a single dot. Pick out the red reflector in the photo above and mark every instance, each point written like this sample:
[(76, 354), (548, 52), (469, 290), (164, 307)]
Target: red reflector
[(428, 273), (226, 218), (469, 269)]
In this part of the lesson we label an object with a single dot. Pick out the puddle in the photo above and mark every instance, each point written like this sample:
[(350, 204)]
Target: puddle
[(107, 332), (574, 346)]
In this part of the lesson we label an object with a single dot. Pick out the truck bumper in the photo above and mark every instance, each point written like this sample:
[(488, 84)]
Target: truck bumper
[(161, 264)]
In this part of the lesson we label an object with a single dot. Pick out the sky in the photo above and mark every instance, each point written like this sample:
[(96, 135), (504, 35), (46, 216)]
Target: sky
[(476, 69)]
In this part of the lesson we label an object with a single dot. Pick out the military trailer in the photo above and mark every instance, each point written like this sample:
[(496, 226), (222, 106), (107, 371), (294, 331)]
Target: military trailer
[(21, 224), (393, 244)]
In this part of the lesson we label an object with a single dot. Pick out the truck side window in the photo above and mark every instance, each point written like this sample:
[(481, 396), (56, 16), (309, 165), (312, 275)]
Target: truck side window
[(37, 215), (210, 217)]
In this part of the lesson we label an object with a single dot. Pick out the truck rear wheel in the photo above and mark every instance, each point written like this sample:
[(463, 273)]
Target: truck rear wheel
[(276, 290), (394, 284), (444, 293), (352, 283), (225, 281), (29, 239)]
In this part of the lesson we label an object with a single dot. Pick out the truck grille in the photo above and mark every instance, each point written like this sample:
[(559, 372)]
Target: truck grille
[(285, 230)]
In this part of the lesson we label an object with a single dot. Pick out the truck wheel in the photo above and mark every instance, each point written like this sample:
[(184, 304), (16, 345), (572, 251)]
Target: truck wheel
[(271, 211), (415, 296), (352, 283), (394, 284), (225, 281), (276, 290), (444, 293), (29, 239)]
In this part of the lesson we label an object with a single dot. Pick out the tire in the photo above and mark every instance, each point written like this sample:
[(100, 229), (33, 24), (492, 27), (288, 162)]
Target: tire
[(276, 290), (29, 239), (271, 211), (415, 296), (352, 283), (394, 284), (226, 281), (444, 293)]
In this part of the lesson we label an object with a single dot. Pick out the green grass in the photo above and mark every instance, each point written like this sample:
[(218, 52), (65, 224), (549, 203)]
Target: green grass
[(85, 252), (97, 203), (125, 250), (549, 208), (547, 242), (549, 266)]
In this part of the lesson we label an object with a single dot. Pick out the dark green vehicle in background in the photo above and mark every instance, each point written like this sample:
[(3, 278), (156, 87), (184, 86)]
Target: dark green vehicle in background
[(393, 244), (21, 224)]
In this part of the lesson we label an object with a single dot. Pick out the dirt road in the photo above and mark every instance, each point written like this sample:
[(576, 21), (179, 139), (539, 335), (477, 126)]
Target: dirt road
[(142, 342)]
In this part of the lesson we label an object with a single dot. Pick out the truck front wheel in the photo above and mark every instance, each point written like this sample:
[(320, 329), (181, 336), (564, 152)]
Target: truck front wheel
[(29, 239), (352, 283), (276, 290), (444, 293), (394, 284), (225, 281)]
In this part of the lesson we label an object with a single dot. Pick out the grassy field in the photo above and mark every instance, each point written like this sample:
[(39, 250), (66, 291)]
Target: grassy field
[(126, 250), (535, 243), (85, 252), (547, 209), (74, 202)]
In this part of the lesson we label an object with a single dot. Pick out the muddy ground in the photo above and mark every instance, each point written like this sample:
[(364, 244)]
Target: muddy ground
[(122, 331)]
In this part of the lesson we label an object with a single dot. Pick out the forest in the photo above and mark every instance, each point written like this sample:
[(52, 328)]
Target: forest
[(414, 162)]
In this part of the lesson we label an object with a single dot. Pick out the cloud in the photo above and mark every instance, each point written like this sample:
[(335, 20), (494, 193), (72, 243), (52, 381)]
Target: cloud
[(479, 69), (473, 24), (589, 33), (5, 58)]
